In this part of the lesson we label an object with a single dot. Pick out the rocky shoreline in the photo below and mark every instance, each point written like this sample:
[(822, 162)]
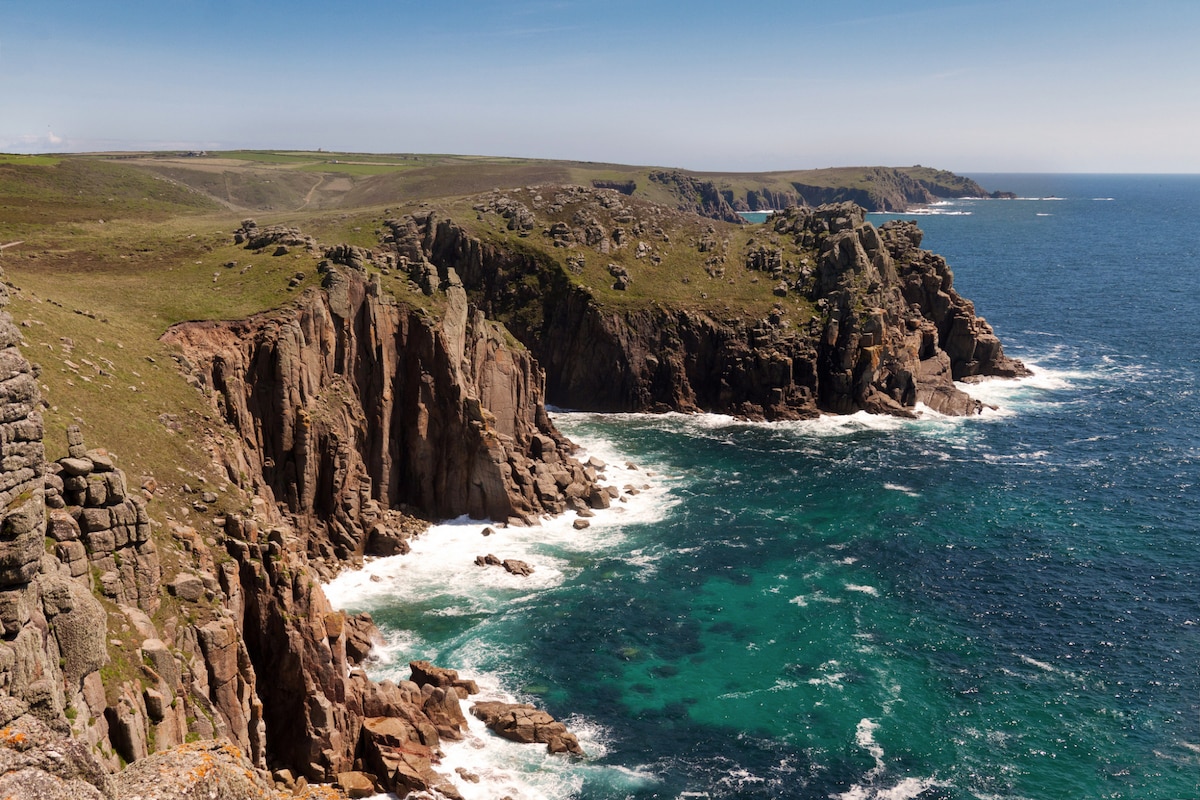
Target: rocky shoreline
[(179, 661), (84, 580)]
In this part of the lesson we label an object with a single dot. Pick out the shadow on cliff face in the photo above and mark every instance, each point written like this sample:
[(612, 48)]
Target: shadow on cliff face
[(888, 330), (348, 405)]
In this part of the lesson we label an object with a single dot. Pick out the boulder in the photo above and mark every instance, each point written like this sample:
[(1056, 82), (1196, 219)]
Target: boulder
[(390, 750), (73, 467), (38, 762), (515, 567), (523, 723), (356, 784), (425, 673), (187, 586), (195, 771)]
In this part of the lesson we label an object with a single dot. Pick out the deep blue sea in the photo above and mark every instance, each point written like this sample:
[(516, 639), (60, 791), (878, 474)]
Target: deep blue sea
[(1000, 607)]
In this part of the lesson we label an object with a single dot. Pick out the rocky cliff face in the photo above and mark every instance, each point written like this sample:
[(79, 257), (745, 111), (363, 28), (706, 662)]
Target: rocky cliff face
[(341, 409), (887, 330), (887, 189), (697, 196), (79, 576), (348, 405)]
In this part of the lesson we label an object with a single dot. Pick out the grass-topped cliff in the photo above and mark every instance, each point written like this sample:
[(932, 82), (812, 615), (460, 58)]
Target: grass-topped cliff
[(282, 393), (116, 248)]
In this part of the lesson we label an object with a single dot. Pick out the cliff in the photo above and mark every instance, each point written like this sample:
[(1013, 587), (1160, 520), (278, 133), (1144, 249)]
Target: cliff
[(190, 652), (888, 189), (346, 407), (721, 196), (855, 318), (347, 404)]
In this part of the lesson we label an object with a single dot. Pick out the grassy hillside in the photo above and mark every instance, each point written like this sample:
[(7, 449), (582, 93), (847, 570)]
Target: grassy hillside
[(40, 191), (289, 181), (104, 252), (91, 297)]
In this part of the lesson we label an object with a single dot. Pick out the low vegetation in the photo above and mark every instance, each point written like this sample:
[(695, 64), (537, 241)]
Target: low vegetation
[(104, 252)]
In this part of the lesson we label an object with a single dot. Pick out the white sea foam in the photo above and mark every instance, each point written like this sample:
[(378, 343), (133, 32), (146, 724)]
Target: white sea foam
[(1004, 395), (864, 737), (922, 211), (1042, 665), (441, 571), (1050, 668), (862, 589), (873, 786), (904, 789), (831, 676), (440, 576), (895, 487), (780, 685), (526, 772)]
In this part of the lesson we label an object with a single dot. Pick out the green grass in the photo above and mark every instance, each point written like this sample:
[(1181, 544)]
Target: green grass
[(34, 196), (352, 168), (267, 157), (92, 301), (29, 161), (680, 280)]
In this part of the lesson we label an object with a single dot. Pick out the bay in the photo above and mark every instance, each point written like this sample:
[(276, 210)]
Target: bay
[(857, 607)]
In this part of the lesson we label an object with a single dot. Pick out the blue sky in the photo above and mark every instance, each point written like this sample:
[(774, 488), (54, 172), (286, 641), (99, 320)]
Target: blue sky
[(1005, 85)]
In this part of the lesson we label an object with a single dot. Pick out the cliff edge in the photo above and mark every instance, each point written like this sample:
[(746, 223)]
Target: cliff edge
[(632, 307), (193, 653)]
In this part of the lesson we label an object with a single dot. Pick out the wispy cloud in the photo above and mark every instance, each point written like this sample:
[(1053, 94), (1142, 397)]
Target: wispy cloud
[(33, 142)]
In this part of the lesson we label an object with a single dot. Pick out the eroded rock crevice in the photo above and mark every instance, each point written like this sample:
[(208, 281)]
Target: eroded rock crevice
[(348, 406)]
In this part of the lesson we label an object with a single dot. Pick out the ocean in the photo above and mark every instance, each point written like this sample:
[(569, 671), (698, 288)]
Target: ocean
[(858, 607)]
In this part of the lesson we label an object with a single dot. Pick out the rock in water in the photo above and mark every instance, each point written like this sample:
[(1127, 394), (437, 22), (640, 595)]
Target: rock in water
[(524, 723)]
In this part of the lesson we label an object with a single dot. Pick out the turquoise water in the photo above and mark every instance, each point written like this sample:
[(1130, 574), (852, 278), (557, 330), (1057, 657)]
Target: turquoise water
[(755, 216), (1000, 607)]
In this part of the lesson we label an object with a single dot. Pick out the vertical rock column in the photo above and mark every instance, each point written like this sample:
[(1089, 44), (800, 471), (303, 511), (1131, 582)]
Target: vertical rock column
[(113, 525), (27, 670)]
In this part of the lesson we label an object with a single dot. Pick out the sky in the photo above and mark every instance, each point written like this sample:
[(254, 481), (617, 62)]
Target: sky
[(989, 86)]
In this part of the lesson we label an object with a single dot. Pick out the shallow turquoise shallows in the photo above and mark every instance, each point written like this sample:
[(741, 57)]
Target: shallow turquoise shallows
[(999, 607)]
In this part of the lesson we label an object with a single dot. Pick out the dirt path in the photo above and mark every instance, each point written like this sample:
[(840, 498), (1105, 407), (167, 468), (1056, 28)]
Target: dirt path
[(308, 197)]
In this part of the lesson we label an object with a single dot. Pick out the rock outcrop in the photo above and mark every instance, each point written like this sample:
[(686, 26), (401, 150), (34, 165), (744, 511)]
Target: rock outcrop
[(348, 406), (524, 723), (889, 189), (887, 329)]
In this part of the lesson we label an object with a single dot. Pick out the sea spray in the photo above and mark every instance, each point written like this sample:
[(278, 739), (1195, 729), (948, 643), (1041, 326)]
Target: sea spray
[(1032, 634), (439, 579)]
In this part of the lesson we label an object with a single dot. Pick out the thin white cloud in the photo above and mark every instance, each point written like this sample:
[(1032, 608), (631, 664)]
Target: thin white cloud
[(33, 142)]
